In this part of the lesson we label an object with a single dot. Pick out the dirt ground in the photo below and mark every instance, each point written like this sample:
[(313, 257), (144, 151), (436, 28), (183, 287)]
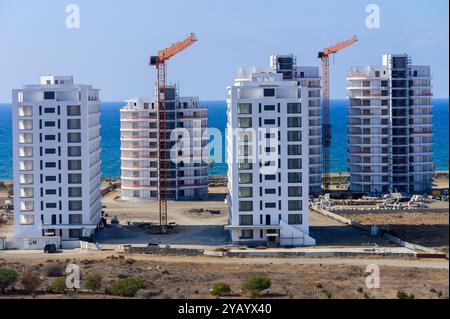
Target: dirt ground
[(186, 280), (177, 210), (441, 182), (424, 228)]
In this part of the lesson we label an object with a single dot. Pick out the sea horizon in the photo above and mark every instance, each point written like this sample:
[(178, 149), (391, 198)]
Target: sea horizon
[(110, 132)]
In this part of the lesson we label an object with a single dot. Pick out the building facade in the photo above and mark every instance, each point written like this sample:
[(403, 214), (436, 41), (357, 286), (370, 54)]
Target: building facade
[(390, 133), (56, 156), (269, 136), (186, 171)]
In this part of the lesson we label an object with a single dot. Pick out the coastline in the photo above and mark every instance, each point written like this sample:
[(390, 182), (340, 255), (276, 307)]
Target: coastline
[(438, 173)]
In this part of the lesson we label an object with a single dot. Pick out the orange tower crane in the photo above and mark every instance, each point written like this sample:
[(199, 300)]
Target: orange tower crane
[(159, 62), (324, 56)]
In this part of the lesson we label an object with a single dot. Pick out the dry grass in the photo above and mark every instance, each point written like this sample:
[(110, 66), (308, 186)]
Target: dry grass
[(189, 280)]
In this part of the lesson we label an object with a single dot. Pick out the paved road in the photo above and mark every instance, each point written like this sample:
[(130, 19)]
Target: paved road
[(33, 256)]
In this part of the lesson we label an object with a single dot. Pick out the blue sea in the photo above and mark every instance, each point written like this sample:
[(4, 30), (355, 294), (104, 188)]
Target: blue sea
[(110, 132)]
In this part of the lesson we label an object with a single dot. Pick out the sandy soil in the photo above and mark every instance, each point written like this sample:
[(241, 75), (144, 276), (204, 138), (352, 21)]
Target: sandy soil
[(177, 210), (165, 279), (441, 182), (423, 228)]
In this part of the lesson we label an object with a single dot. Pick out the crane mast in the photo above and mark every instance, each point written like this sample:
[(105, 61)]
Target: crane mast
[(324, 56), (159, 62)]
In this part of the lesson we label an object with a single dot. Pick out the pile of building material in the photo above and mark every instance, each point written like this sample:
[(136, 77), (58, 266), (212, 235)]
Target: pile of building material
[(218, 181)]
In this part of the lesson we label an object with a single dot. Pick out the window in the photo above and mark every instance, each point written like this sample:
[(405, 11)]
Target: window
[(270, 205), (75, 205), (270, 177), (245, 206), (246, 234), (269, 122), (294, 191), (50, 151), (294, 177), (294, 205), (74, 178), (270, 191), (74, 150), (74, 233), (49, 124), (245, 220), (294, 108), (50, 178), (269, 107), (74, 137), (294, 136), (49, 95), (50, 192), (245, 166), (244, 108), (50, 137), (245, 123), (294, 163), (245, 192), (294, 150), (75, 219), (245, 178), (269, 92), (75, 192), (49, 110), (294, 122), (73, 124), (26, 220), (295, 219), (50, 205), (50, 165), (74, 165), (73, 110)]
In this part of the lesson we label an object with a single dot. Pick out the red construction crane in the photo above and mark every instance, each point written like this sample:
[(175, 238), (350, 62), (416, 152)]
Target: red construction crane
[(326, 128), (159, 62)]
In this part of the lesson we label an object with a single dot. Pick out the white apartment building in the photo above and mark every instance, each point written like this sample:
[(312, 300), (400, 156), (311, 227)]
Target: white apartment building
[(269, 135), (187, 173), (57, 165), (390, 127)]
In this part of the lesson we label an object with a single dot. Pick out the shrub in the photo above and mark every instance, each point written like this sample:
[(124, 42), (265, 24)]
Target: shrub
[(255, 285), (30, 281), (221, 289), (58, 286), (94, 282), (54, 270), (404, 295), (127, 287), (327, 293), (8, 277), (360, 290)]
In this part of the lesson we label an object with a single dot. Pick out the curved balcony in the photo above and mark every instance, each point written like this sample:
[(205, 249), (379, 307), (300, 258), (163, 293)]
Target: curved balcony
[(137, 148), (129, 156), (194, 185)]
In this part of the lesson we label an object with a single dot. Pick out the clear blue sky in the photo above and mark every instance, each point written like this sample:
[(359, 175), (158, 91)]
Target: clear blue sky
[(112, 46)]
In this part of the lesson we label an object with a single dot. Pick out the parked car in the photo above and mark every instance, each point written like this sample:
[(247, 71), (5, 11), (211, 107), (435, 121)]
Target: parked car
[(50, 249), (154, 243)]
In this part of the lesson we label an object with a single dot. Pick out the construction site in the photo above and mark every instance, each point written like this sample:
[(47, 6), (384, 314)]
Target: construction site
[(183, 246)]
